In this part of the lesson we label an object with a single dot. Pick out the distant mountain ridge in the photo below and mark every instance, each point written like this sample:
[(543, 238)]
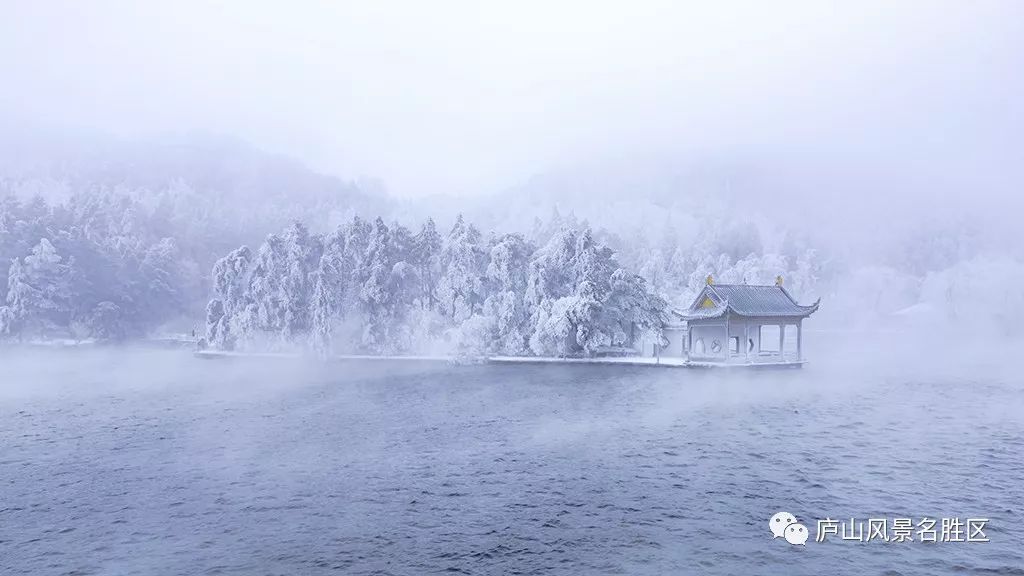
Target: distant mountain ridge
[(223, 171)]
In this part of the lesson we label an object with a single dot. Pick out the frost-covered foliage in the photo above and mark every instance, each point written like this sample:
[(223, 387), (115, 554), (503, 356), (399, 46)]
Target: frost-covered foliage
[(868, 295), (38, 292), (463, 262), (95, 266), (112, 262), (731, 251), (506, 280), (139, 225), (980, 295), (379, 288), (573, 303)]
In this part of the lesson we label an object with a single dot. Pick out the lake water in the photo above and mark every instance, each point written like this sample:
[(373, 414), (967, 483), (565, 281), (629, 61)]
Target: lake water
[(152, 462)]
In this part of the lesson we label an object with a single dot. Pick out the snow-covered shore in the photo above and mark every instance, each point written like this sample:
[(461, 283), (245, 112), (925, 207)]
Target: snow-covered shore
[(618, 361)]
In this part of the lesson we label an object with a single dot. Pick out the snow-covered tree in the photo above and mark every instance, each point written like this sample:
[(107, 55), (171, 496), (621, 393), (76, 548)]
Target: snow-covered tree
[(229, 316), (633, 309), (20, 298), (329, 285), (463, 263), (506, 286), (569, 280), (954, 296), (106, 323), (302, 256), (38, 292), (356, 244), (8, 322), (265, 286), (162, 281), (217, 331), (322, 310), (426, 253), (375, 291), (553, 331)]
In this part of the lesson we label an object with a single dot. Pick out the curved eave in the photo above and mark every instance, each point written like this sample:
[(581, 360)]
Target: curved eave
[(704, 316), (801, 312), (812, 308)]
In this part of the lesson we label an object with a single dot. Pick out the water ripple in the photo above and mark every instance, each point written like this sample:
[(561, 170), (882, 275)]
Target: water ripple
[(503, 470)]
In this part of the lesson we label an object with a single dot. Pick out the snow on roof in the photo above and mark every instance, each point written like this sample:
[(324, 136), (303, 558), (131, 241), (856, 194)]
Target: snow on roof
[(746, 300)]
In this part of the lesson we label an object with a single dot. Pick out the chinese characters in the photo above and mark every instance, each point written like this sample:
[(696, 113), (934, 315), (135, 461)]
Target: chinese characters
[(904, 530)]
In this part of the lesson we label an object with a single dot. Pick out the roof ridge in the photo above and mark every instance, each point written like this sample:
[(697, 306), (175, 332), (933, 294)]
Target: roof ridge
[(747, 285), (748, 300)]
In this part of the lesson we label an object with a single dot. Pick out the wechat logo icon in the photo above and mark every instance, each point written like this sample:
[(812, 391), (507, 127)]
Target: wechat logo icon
[(784, 525)]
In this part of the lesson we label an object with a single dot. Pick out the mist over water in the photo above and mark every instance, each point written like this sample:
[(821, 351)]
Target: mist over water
[(468, 180), (139, 462)]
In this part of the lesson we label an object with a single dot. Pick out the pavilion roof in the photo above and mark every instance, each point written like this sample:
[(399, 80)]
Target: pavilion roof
[(746, 300)]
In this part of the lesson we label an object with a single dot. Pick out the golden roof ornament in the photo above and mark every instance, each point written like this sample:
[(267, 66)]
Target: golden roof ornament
[(778, 280), (709, 280)]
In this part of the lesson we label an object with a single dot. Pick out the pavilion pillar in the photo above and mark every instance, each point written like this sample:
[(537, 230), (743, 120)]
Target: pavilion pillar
[(746, 339), (689, 341), (728, 343), (800, 340), (782, 342)]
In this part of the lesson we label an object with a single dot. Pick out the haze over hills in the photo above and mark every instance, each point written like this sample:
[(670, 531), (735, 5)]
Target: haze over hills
[(223, 174), (186, 202), (123, 233), (511, 287)]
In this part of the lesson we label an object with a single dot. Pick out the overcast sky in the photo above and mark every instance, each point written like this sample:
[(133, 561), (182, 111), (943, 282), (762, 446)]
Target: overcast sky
[(473, 97)]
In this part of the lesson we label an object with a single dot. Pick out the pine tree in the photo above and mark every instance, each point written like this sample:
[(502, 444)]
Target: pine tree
[(356, 236), (301, 261), (463, 263), (230, 278), (632, 309), (38, 292), (375, 294), (264, 289), (426, 252), (217, 332), (162, 281), (20, 296), (322, 310), (329, 286), (106, 323), (506, 287)]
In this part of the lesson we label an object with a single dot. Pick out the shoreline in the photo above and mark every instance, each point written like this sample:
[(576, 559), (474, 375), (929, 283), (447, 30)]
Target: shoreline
[(650, 362), (209, 354)]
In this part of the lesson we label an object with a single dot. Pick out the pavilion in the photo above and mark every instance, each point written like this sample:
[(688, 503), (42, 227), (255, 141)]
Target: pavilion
[(741, 324)]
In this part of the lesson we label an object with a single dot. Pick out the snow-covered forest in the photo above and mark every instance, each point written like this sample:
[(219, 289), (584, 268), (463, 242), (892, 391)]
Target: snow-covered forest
[(106, 240), (137, 243), (97, 267), (373, 288)]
